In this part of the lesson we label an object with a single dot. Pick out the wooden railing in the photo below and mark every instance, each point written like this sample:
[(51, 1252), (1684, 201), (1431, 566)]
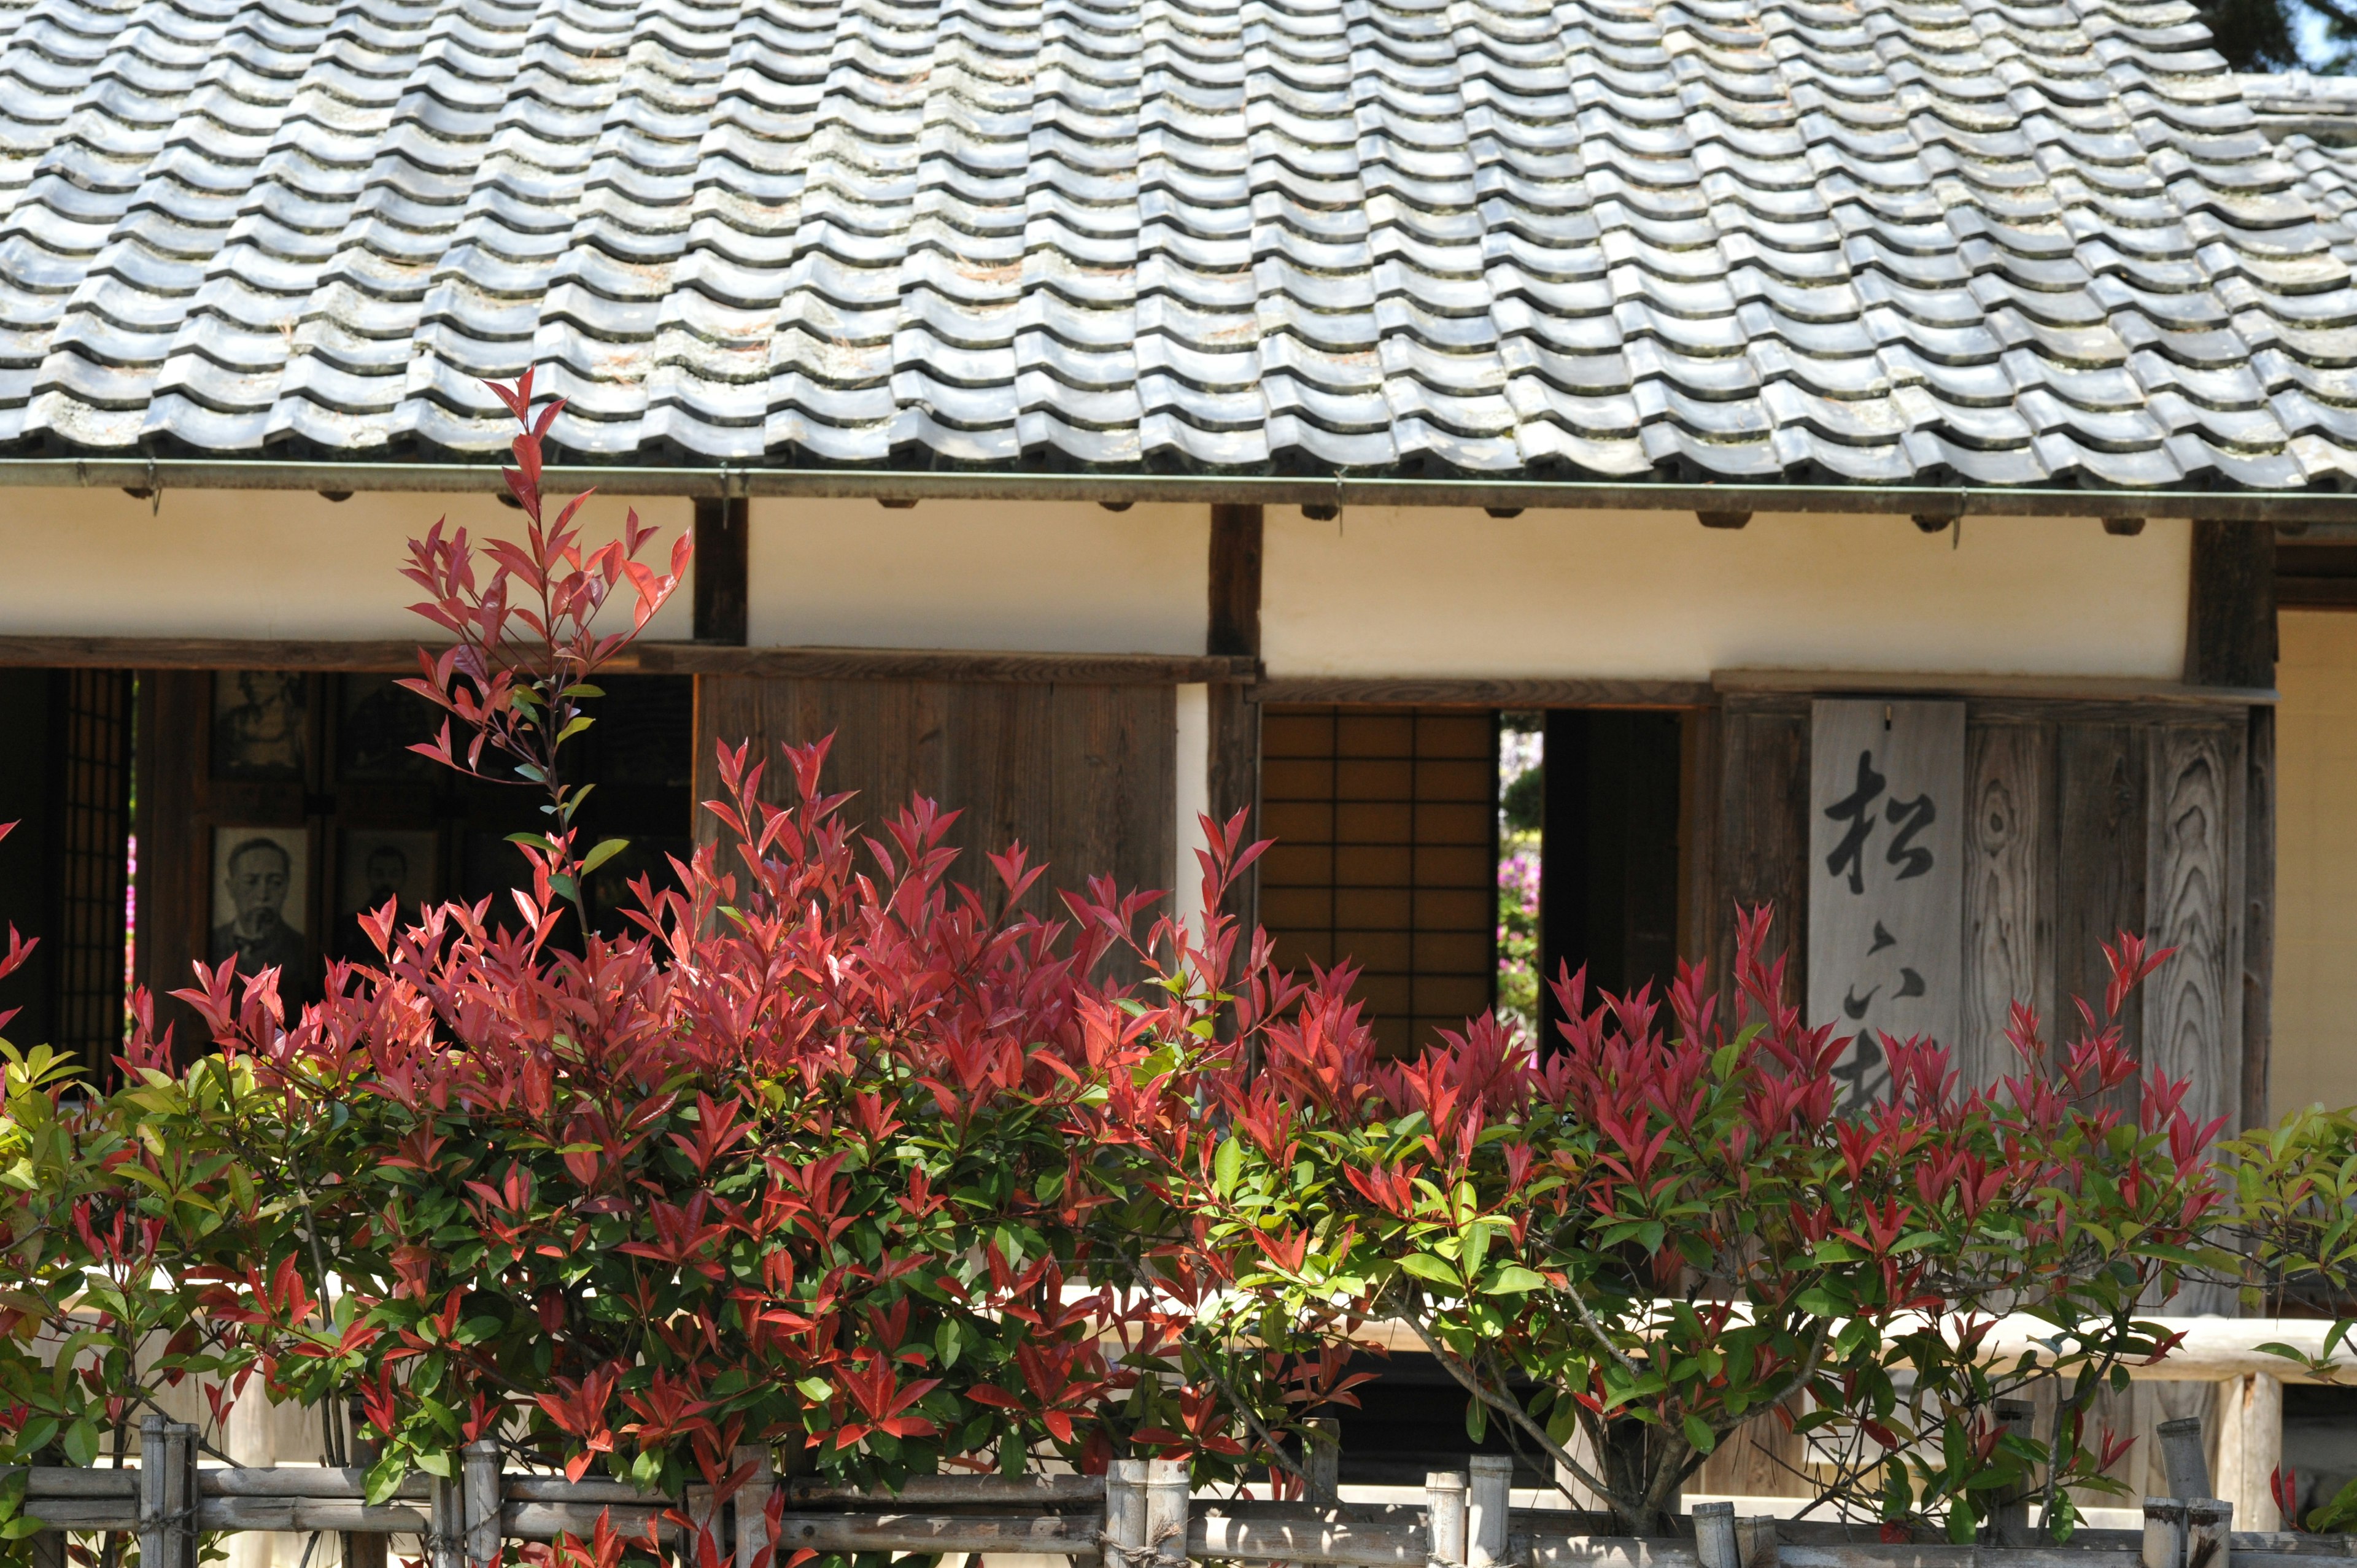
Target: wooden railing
[(1139, 1515)]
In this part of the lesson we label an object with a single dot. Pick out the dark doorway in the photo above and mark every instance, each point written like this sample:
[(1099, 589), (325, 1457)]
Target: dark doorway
[(1609, 855), (65, 781)]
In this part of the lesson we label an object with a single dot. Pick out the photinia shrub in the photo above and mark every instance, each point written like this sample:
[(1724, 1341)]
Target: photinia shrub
[(833, 1154), (1670, 1227)]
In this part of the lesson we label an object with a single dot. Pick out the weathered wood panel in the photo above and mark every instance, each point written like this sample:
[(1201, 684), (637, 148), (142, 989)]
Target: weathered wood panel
[(2258, 915), (2009, 858), (1762, 852), (2101, 787), (1750, 761), (2192, 1006), (1084, 775), (1886, 878)]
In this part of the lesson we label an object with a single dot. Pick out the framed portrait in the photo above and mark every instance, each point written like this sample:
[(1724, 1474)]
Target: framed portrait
[(379, 720), (381, 863), (261, 877), (262, 725)]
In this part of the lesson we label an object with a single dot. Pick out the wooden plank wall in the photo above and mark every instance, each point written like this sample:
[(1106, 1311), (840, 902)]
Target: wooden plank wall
[(2087, 819), (1082, 773)]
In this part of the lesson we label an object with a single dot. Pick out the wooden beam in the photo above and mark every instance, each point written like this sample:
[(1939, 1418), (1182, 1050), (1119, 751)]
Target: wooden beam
[(2028, 688), (1479, 692), (399, 655), (2230, 637), (723, 556)]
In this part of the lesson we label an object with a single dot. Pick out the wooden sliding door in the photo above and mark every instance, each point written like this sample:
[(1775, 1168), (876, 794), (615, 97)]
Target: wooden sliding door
[(1084, 774)]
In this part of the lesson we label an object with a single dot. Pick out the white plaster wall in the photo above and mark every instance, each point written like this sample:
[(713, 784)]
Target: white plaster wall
[(256, 563), (1042, 578), (1386, 591)]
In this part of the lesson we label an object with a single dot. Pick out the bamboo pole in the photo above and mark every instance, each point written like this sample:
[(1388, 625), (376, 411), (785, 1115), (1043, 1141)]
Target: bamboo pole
[(152, 1505), (445, 1540), (2164, 1532), (1443, 1531), (180, 1465), (1167, 1506), (2184, 1458), (483, 1503), (1125, 1515), (1488, 1494), (752, 1502), (1714, 1536)]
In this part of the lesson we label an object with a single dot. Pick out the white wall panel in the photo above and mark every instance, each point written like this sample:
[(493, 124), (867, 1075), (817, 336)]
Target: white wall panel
[(1384, 591)]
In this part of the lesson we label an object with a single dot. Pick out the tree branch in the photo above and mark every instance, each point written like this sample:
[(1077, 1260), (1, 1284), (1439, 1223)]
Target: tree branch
[(1514, 1412)]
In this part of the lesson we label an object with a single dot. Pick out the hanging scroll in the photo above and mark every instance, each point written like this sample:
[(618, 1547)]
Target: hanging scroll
[(1886, 878)]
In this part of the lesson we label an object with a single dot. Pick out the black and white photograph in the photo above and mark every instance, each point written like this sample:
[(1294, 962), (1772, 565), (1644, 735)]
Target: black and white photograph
[(380, 864), (380, 721), (261, 725), (260, 877)]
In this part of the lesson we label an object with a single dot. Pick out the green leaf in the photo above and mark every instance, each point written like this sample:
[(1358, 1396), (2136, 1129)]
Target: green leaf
[(1514, 1278), (80, 1442), (1226, 1166), (1698, 1432), (580, 721), (818, 1391), (1425, 1266), (606, 850)]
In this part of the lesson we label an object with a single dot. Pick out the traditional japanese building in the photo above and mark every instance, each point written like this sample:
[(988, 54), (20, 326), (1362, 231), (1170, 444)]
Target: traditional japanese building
[(1099, 412)]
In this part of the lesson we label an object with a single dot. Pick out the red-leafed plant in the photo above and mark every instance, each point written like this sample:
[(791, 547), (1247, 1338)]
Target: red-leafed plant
[(824, 1154), (525, 650), (1666, 1230), (832, 1156)]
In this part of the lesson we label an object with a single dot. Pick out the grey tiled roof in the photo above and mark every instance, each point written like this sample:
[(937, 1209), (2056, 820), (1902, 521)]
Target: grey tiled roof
[(1809, 239)]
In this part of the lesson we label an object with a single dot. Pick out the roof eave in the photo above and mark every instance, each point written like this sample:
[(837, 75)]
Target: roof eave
[(1933, 504)]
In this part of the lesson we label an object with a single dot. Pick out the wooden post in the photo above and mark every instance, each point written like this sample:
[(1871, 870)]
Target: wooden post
[(1714, 1542), (152, 1505), (2230, 632), (49, 1549), (1487, 1498), (2184, 1458), (2230, 641), (2250, 1447), (2209, 1534), (483, 1500), (2258, 915), (1166, 1511), (2011, 1518), (1233, 629), (2164, 1532), (1125, 1515), (1321, 1457), (723, 564), (752, 1502), (446, 1543), (362, 1550), (1443, 1531)]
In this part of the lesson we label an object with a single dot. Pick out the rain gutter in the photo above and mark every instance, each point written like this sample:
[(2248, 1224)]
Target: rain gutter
[(1727, 502)]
